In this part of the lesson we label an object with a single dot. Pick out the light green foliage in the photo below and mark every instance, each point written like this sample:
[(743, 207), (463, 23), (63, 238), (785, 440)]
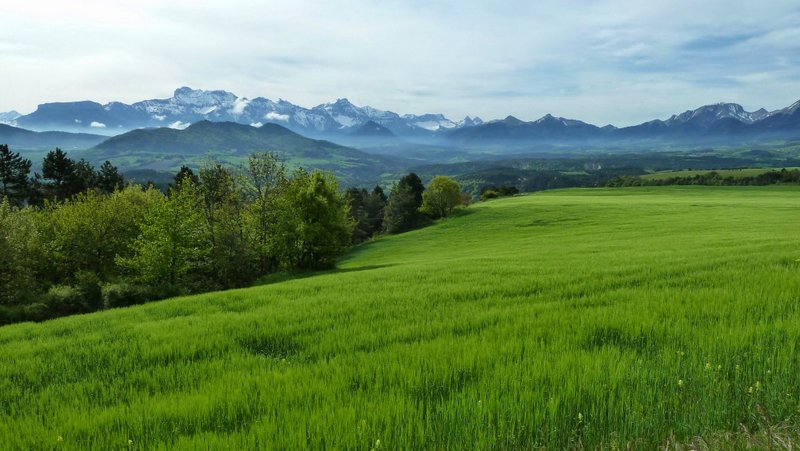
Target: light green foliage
[(441, 196), (264, 183), (87, 232), (600, 318), (172, 246), (314, 225), (22, 253)]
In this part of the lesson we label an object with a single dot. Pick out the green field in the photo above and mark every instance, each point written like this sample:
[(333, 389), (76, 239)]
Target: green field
[(576, 318), (735, 173)]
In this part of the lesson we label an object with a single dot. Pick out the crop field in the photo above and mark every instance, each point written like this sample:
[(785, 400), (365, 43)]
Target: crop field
[(633, 317)]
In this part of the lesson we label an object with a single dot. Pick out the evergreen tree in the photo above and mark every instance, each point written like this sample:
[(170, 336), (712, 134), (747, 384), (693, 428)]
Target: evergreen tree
[(109, 179), (14, 171), (58, 171), (402, 210), (184, 173)]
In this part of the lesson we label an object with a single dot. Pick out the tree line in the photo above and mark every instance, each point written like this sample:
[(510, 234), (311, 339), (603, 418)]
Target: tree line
[(76, 240), (712, 178)]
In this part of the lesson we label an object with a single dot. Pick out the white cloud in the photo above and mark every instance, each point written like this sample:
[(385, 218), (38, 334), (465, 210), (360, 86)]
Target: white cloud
[(273, 116), (619, 61), (96, 124), (178, 125), (239, 105), (256, 124)]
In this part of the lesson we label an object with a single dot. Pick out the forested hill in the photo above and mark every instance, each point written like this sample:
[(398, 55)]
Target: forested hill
[(230, 141)]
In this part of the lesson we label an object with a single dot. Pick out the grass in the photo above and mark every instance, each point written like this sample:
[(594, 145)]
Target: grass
[(735, 173), (638, 317)]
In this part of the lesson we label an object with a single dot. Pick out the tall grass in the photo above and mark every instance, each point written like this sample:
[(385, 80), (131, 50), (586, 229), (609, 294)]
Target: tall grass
[(575, 318)]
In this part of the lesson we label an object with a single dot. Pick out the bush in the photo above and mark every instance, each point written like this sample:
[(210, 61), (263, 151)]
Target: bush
[(66, 300), (124, 294)]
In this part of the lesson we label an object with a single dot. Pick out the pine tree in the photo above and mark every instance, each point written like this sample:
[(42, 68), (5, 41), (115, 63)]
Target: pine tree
[(14, 171), (109, 179)]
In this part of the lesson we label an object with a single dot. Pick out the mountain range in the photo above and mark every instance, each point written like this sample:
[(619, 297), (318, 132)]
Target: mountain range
[(188, 106), (366, 127)]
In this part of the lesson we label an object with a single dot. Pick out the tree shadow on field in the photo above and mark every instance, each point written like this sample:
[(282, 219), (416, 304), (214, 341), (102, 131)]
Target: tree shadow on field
[(294, 275)]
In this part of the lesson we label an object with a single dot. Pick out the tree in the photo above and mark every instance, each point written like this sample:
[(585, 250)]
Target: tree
[(402, 210), (109, 178), (14, 171), (314, 227), (184, 173), (441, 197), (416, 186), (58, 172), (85, 177), (172, 249), (265, 182), (367, 210), (223, 200)]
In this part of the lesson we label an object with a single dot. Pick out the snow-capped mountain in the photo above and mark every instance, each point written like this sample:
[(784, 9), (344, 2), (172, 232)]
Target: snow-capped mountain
[(187, 106), (9, 118), (708, 114)]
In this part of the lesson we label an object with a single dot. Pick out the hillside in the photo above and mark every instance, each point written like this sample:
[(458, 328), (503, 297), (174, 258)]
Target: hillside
[(600, 318), (21, 139), (168, 149)]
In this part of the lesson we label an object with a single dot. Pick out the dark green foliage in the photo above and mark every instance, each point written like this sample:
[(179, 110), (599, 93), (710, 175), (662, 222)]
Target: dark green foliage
[(493, 192), (402, 209), (367, 210), (711, 178), (14, 171), (413, 181), (185, 173), (109, 179), (58, 171)]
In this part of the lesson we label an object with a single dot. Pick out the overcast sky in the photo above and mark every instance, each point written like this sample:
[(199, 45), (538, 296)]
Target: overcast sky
[(620, 62)]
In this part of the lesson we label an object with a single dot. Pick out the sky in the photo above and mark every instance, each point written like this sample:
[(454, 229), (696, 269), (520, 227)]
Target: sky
[(620, 61)]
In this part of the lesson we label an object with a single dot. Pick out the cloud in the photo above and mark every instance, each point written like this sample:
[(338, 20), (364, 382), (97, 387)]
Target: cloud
[(178, 125), (239, 105), (623, 61), (96, 124), (273, 116)]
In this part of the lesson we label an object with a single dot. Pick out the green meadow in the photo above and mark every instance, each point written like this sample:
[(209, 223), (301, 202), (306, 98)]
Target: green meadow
[(634, 317)]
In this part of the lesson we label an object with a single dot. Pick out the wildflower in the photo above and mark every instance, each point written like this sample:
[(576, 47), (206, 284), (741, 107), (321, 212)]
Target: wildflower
[(580, 417), (130, 442), (60, 438), (750, 390), (719, 367), (758, 385), (680, 382), (377, 443), (708, 367)]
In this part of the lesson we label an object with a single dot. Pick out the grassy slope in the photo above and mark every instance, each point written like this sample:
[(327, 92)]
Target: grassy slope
[(580, 316)]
